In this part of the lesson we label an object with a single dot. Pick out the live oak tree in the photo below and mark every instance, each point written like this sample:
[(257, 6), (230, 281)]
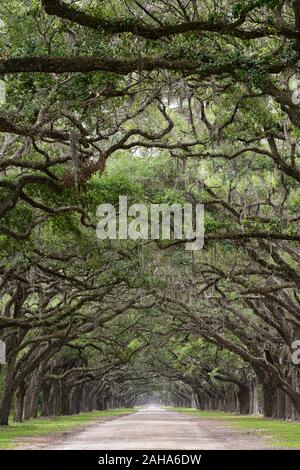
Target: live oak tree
[(178, 101)]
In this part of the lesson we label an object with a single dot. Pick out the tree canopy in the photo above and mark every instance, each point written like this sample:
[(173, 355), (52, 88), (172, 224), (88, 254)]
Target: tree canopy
[(164, 102)]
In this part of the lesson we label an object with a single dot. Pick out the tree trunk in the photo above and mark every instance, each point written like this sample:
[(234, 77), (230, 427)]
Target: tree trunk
[(35, 391), (243, 396), (269, 391), (19, 405), (7, 395)]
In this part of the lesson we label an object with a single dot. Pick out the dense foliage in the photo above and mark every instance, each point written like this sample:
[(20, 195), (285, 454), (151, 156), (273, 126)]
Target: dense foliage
[(166, 101)]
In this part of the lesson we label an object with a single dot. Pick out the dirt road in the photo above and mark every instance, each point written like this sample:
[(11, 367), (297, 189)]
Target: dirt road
[(157, 428)]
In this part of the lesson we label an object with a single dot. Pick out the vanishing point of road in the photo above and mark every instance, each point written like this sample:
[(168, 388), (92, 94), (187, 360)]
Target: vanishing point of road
[(157, 428)]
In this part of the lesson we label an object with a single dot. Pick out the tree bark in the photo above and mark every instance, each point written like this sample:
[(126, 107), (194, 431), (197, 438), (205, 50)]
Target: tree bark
[(243, 396), (19, 405)]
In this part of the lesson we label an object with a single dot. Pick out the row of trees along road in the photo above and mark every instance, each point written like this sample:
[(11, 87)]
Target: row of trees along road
[(177, 101)]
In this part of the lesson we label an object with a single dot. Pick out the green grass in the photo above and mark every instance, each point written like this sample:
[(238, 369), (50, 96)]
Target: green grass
[(9, 435), (277, 433)]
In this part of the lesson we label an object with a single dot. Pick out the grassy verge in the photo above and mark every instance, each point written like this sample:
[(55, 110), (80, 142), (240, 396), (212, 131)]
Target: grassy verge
[(277, 433), (9, 435)]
